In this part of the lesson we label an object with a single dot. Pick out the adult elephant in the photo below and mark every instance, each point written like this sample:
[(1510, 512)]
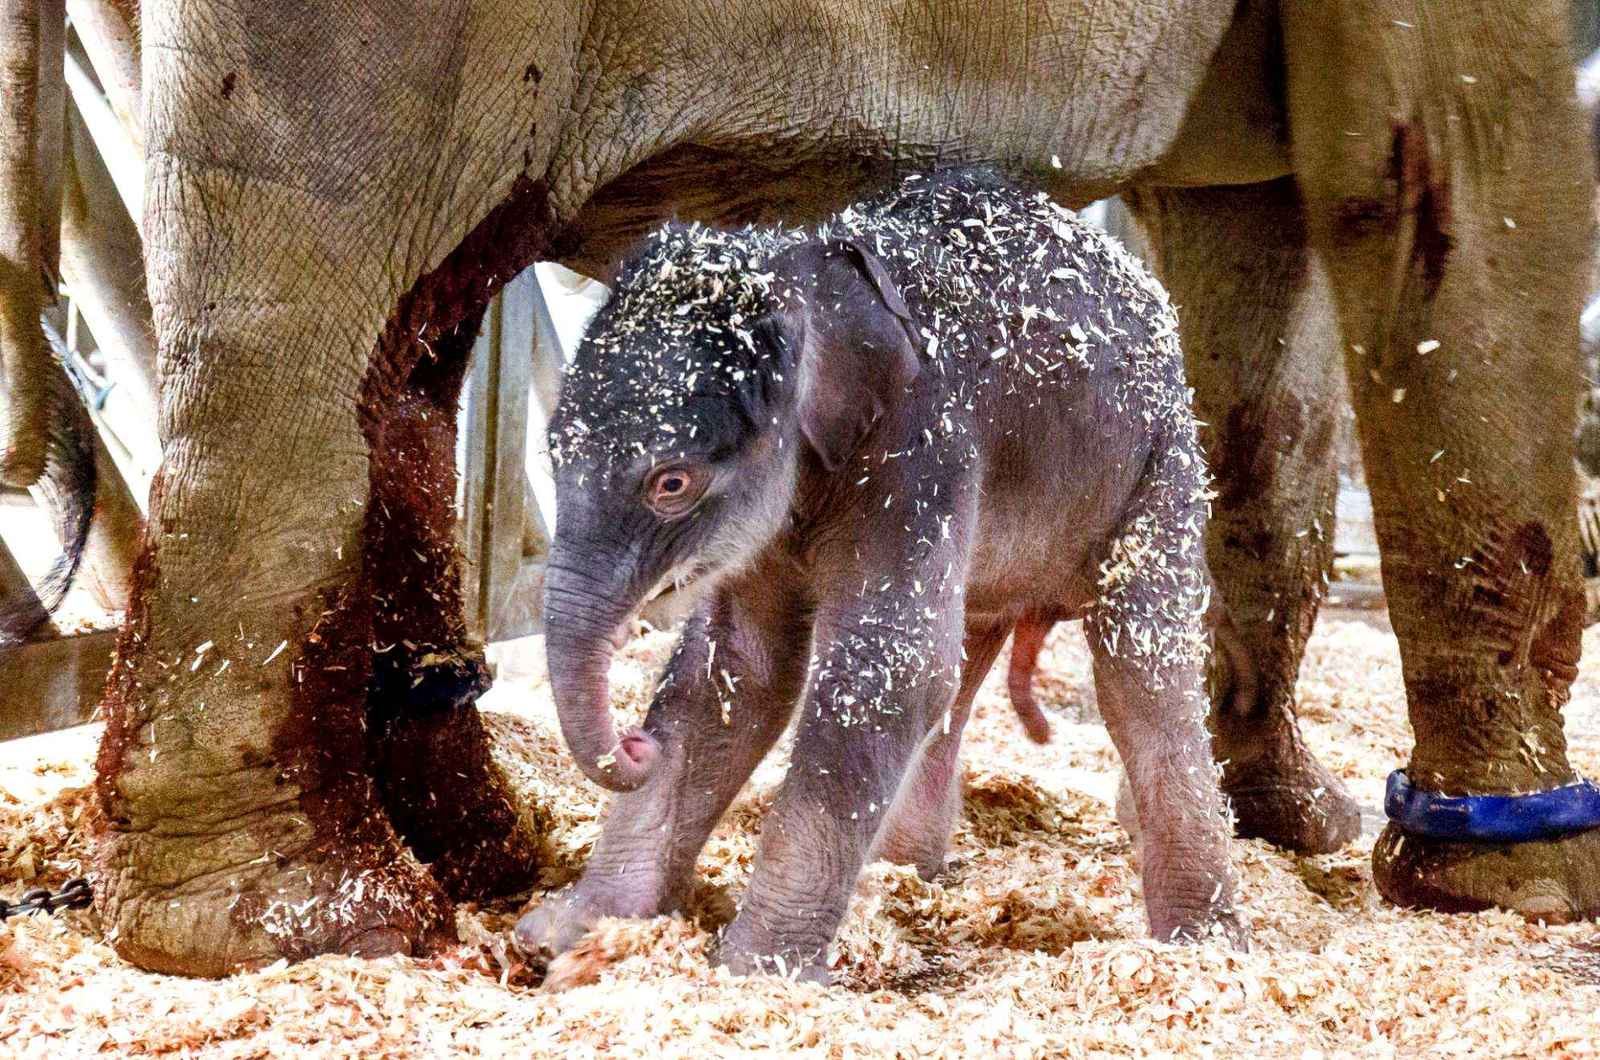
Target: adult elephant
[(334, 192)]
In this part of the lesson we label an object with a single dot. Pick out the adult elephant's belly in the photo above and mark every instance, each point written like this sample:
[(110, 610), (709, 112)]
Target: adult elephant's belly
[(1089, 95), (1098, 91)]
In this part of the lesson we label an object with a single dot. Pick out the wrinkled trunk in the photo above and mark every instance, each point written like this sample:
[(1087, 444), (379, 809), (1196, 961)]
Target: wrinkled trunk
[(30, 197), (582, 616)]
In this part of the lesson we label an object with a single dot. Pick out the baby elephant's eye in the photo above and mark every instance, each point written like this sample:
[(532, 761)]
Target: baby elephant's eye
[(674, 489)]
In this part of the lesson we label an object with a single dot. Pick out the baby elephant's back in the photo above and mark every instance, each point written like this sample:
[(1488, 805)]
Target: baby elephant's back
[(1017, 299), (1051, 362)]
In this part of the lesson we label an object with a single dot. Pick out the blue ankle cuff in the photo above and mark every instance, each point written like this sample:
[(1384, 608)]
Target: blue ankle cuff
[(1549, 814)]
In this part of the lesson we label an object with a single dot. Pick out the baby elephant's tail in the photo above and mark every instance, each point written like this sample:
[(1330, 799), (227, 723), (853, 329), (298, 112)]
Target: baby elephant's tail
[(1026, 641)]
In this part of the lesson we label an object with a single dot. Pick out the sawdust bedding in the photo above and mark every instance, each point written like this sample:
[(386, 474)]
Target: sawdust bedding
[(1031, 944)]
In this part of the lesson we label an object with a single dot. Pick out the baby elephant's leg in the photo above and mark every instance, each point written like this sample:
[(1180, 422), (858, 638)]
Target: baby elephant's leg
[(1161, 735), (918, 829), (878, 681), (732, 686), (1147, 638)]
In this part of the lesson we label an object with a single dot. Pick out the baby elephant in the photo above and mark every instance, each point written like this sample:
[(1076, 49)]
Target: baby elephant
[(874, 448)]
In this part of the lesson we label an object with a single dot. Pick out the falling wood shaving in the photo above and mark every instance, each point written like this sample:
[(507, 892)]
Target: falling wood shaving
[(1032, 942)]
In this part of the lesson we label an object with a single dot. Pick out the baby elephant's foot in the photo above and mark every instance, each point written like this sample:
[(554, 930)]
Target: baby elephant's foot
[(1211, 922), (919, 833), (562, 919), (924, 851), (749, 951)]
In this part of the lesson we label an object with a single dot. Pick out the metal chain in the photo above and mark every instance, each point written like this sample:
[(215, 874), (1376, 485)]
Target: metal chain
[(74, 894)]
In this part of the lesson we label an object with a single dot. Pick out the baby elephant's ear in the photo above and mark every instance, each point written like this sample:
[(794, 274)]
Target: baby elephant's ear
[(860, 347)]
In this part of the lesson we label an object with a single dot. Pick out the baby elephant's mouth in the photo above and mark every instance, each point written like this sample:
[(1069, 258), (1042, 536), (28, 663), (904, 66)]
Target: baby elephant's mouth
[(668, 601), (686, 582)]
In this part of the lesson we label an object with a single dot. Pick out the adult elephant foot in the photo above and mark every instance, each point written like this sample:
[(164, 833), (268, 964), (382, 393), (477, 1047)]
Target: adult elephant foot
[(241, 821), (1260, 351), (188, 905), (1289, 799), (1556, 881), (1278, 790)]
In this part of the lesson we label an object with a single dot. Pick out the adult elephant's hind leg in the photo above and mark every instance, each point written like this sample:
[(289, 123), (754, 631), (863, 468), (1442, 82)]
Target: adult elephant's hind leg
[(431, 755), (1446, 173), (1260, 348)]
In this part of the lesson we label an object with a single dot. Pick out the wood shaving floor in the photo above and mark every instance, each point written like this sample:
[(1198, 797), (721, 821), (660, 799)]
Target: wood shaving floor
[(1031, 944)]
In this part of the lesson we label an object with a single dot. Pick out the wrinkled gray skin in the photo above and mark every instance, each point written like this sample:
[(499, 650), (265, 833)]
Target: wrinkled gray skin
[(333, 192), (955, 407)]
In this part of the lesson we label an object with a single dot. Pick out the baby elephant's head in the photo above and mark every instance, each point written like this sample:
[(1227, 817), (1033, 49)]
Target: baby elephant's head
[(723, 364)]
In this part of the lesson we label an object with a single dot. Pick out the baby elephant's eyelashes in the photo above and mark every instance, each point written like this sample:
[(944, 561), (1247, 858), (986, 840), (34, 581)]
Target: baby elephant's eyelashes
[(674, 489)]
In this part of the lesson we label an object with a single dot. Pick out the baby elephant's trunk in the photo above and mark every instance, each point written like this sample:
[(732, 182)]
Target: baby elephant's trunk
[(581, 619)]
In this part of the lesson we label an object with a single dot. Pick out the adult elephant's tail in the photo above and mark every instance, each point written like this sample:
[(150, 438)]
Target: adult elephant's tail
[(68, 488)]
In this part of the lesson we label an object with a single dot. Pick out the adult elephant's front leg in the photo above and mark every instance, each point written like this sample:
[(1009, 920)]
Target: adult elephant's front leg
[(1445, 169), (296, 289), (431, 754), (1261, 350), (241, 821), (296, 668)]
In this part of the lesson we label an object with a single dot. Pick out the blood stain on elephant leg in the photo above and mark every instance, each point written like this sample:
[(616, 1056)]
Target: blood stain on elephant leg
[(1455, 239), (323, 744), (429, 747), (334, 878), (1425, 197), (430, 752)]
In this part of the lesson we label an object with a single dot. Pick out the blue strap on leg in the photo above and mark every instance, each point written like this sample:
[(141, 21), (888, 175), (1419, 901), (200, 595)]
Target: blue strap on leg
[(1549, 814)]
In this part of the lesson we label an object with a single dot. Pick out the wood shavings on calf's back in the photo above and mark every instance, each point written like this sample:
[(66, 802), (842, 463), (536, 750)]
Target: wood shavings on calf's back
[(1015, 294), (1012, 295), (988, 268)]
